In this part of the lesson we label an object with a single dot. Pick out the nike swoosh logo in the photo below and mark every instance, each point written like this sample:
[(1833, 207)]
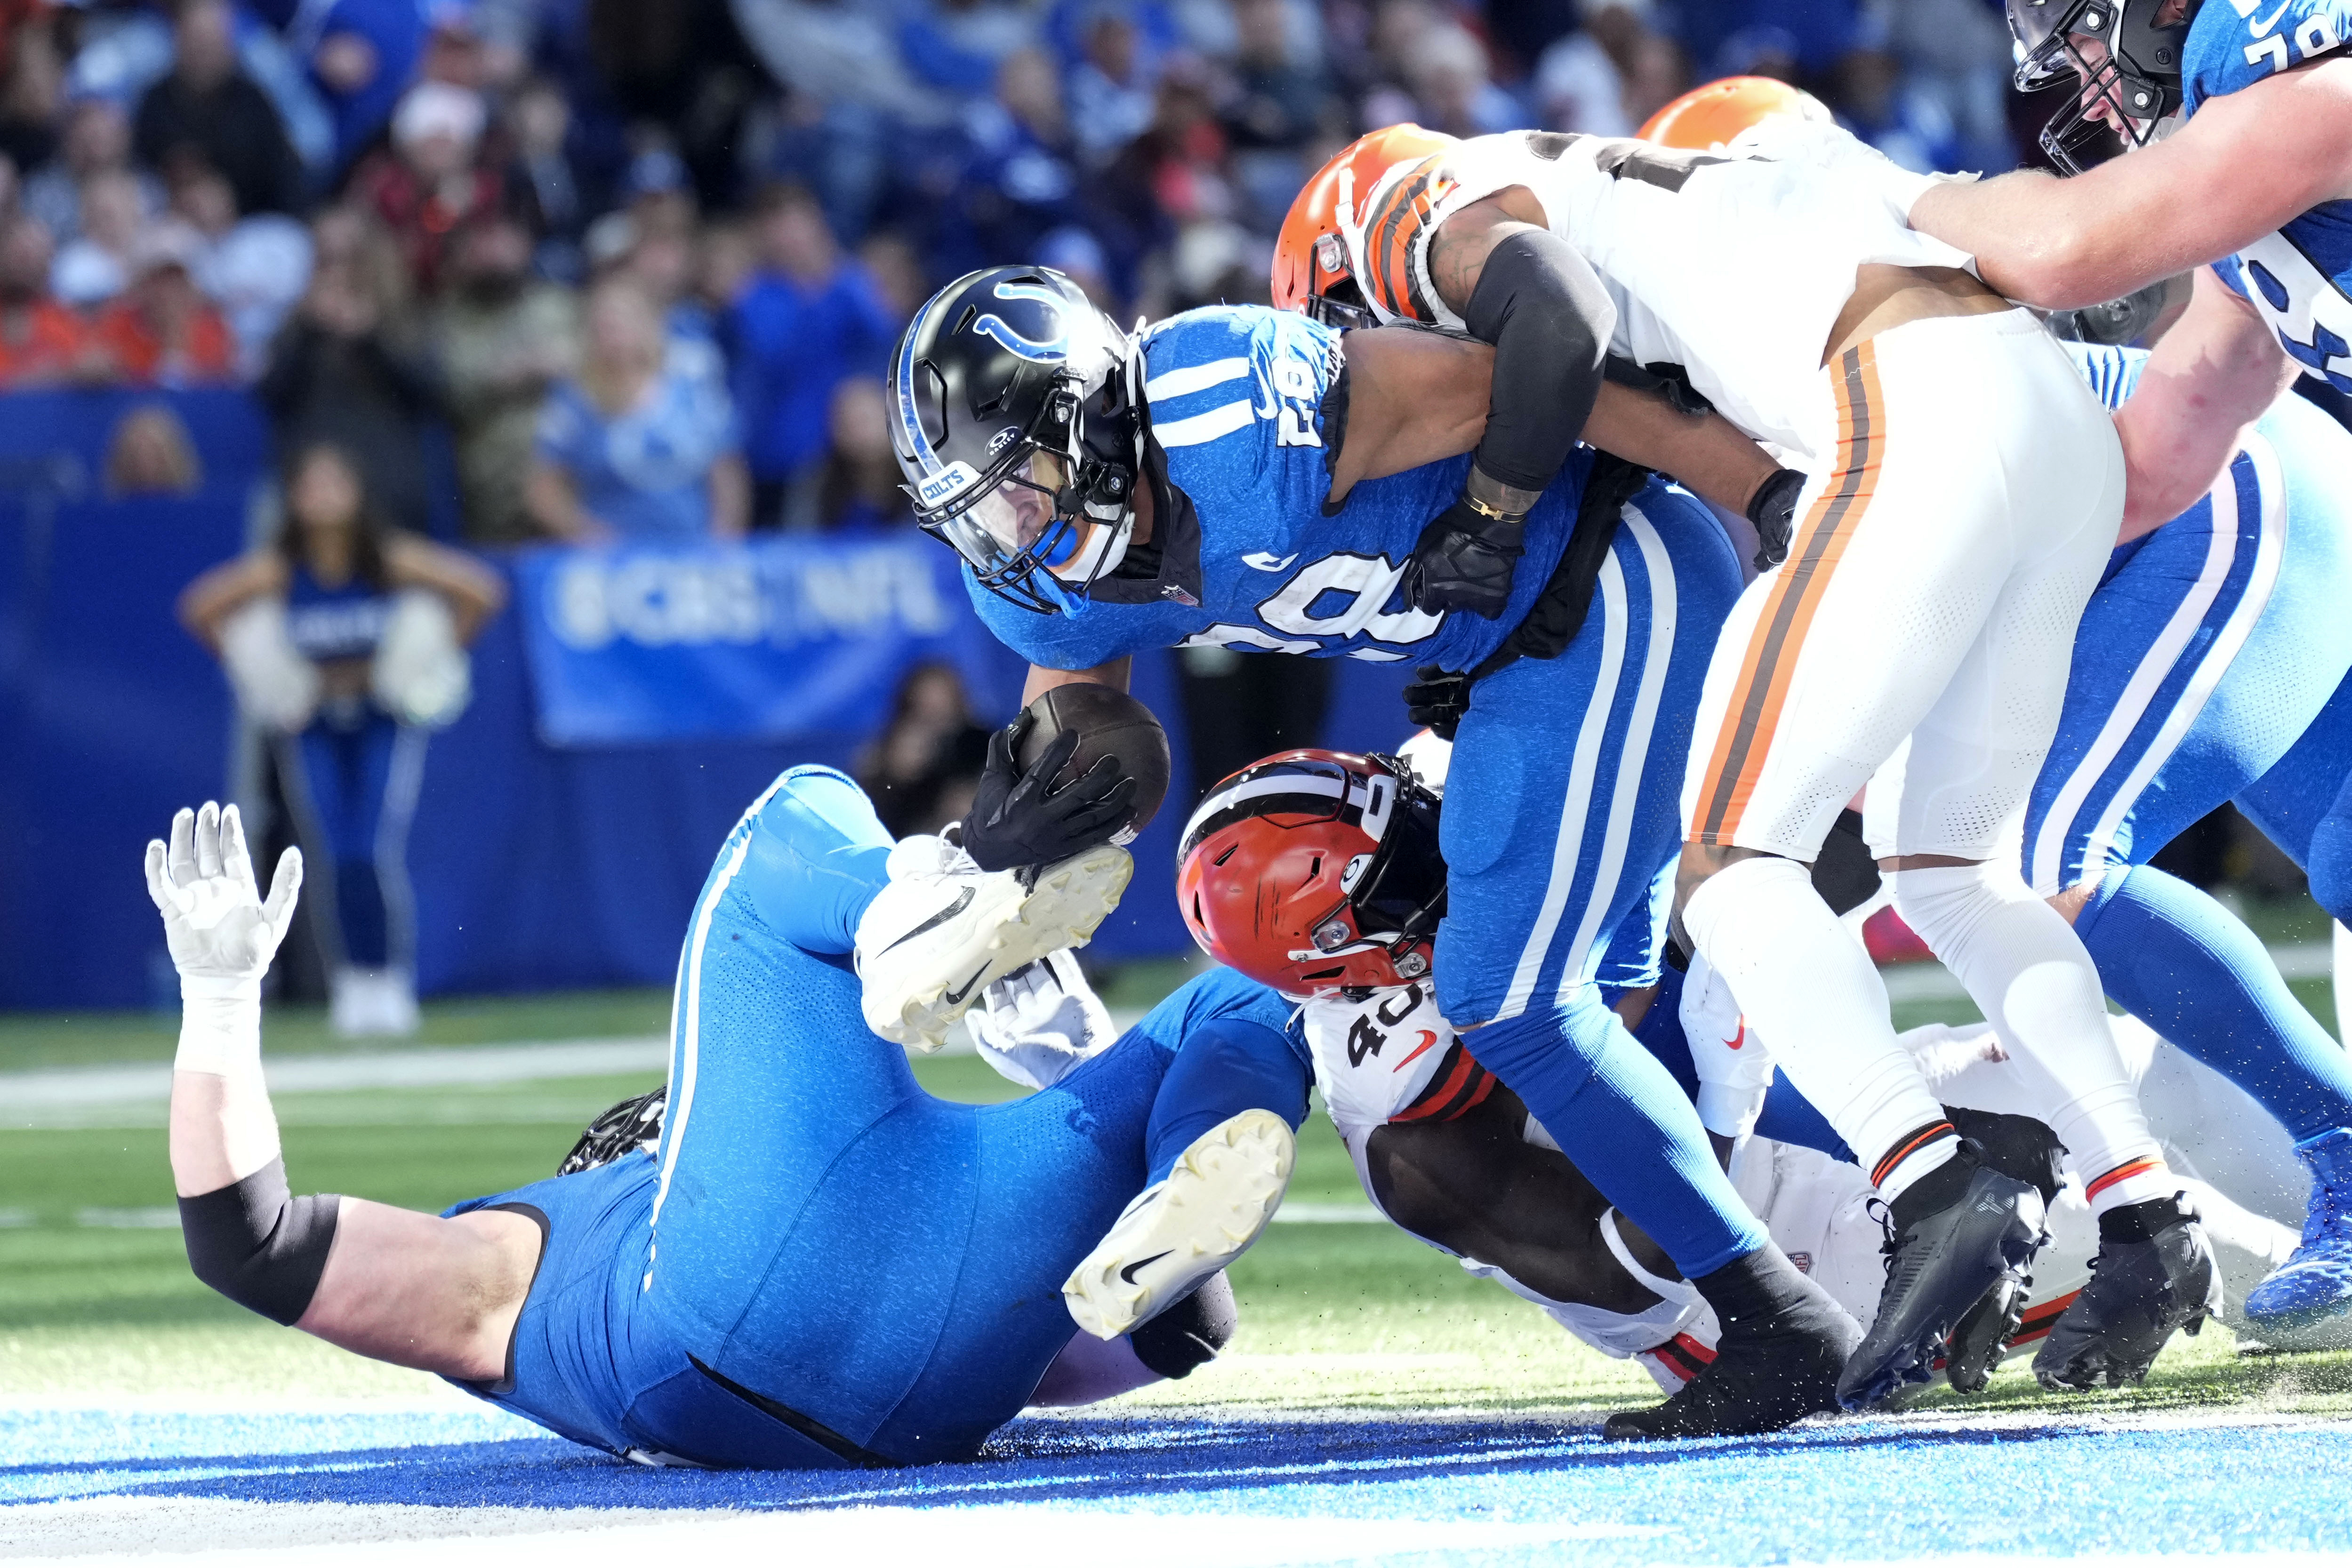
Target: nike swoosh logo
[(1737, 1040), (1428, 1038), (1128, 1273), (1267, 560), (942, 918), (958, 995), (2262, 28)]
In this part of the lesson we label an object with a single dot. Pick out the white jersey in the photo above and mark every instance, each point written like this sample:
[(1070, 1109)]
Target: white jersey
[(1391, 1057), (1732, 268)]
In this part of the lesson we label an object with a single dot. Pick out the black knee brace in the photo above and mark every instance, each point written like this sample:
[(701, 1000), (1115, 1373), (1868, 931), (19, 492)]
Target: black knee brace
[(1190, 1333)]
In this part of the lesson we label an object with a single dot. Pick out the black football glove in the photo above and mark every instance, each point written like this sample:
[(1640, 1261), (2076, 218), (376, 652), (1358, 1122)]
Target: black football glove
[(1774, 510), (1465, 561), (1436, 699), (1014, 821)]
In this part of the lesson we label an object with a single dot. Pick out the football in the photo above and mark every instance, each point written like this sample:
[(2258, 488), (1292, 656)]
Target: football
[(1108, 723)]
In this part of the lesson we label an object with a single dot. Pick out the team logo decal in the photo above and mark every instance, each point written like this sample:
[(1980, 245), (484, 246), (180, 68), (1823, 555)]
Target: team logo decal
[(1052, 350)]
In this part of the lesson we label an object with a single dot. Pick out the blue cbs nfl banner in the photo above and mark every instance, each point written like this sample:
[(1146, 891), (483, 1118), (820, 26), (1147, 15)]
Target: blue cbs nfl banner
[(761, 641)]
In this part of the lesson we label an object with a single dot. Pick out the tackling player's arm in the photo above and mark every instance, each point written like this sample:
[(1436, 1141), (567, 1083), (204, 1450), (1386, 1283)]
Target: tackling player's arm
[(1418, 397), (2247, 162), (2209, 378), (441, 1295)]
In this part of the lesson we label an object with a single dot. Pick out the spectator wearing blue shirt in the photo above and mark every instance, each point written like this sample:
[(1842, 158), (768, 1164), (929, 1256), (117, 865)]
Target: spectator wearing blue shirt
[(809, 317), (638, 448)]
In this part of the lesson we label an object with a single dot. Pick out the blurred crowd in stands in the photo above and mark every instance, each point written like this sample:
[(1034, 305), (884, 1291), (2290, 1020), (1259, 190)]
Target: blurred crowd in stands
[(631, 268)]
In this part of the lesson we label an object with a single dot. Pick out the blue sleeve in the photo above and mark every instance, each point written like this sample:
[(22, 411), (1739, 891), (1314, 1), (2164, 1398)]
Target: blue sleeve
[(1082, 634), (2231, 45)]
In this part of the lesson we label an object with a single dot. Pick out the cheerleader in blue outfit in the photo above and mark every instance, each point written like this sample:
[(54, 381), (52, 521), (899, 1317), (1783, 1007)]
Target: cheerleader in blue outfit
[(344, 640)]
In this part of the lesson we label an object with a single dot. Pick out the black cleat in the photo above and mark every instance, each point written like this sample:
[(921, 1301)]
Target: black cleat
[(2154, 1273), (1981, 1338), (1958, 1232), (1777, 1361)]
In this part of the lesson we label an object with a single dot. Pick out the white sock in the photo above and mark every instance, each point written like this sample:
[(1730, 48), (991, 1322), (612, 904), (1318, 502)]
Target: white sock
[(1810, 989), (2023, 964)]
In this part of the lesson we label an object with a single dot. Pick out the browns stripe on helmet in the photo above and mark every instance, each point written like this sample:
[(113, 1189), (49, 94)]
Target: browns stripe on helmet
[(1315, 872)]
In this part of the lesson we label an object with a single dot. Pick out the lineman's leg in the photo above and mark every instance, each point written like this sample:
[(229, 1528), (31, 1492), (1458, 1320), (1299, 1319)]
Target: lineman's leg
[(788, 1121), (1559, 815), (1057, 1169), (1546, 864), (1971, 458), (1219, 1152), (1967, 453), (2212, 644)]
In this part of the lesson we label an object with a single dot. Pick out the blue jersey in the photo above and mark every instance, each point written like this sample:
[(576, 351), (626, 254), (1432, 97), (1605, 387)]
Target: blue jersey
[(344, 623), (2299, 277), (1243, 555), (582, 1351), (2210, 645)]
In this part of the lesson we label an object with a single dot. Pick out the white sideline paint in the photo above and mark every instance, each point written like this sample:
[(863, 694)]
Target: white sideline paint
[(145, 1530), (24, 1095)]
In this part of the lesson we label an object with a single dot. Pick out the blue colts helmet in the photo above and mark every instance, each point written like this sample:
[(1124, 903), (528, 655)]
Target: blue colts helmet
[(1015, 419), (2137, 75)]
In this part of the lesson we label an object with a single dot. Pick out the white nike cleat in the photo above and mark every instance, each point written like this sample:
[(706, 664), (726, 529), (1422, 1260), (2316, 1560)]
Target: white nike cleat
[(942, 929), (1178, 1232)]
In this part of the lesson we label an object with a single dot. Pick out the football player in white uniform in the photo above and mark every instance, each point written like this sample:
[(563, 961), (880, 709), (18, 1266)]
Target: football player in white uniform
[(1965, 491)]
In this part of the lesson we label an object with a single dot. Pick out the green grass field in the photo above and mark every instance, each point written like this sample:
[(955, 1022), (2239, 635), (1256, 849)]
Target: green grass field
[(97, 1303)]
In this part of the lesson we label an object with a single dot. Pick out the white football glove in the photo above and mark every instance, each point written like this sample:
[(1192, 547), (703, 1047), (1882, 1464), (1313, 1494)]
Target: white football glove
[(1785, 138), (220, 933), (1734, 1067), (1040, 1022)]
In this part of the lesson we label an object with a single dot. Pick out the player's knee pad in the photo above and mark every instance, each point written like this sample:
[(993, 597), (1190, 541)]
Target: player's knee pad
[(1190, 1332)]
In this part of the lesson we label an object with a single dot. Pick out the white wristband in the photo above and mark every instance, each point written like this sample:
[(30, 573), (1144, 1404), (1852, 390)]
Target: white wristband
[(220, 1025)]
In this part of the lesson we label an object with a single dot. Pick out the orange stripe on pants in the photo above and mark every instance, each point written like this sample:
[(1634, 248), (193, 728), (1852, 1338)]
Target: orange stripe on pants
[(1753, 712)]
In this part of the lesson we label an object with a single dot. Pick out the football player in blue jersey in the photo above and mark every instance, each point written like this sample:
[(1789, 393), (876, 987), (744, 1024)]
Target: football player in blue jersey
[(2212, 666), (1229, 479), (819, 1265), (2237, 118)]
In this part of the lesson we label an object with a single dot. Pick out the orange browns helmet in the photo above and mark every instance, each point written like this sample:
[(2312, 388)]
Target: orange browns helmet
[(1316, 871), (1720, 111), (1319, 253)]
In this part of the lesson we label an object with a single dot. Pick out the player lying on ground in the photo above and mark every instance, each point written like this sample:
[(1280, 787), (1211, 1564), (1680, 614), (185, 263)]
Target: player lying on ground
[(820, 1265), (1451, 1155), (1305, 840), (2212, 665), (1214, 450), (1965, 489)]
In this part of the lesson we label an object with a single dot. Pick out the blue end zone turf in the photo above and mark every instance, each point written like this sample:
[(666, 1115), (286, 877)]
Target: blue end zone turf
[(1857, 1490)]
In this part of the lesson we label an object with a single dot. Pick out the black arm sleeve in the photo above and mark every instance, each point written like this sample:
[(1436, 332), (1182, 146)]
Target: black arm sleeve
[(260, 1246), (1543, 307)]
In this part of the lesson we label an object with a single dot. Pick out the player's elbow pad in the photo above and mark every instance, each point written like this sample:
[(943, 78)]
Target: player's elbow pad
[(1545, 311), (258, 1245)]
